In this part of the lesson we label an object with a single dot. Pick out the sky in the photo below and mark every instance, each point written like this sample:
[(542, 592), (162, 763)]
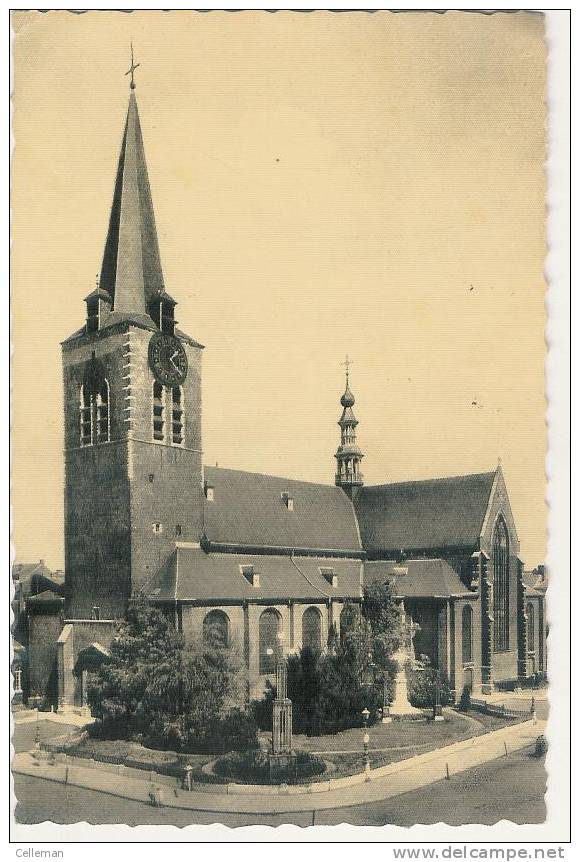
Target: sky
[(323, 184)]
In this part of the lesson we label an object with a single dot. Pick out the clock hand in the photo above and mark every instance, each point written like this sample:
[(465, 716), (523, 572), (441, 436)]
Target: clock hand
[(171, 358)]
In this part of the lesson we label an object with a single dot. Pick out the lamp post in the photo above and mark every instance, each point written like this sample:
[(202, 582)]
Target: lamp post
[(367, 763), (37, 733), (386, 704), (437, 709)]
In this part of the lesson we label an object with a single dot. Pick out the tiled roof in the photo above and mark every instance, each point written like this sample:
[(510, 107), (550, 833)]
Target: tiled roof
[(197, 576), (433, 513), (47, 597), (417, 578), (248, 509)]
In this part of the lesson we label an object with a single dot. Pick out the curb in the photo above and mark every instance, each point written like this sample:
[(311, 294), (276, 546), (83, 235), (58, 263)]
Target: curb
[(253, 803)]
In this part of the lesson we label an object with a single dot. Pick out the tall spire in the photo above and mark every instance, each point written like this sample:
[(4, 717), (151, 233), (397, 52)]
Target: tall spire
[(131, 271), (348, 455)]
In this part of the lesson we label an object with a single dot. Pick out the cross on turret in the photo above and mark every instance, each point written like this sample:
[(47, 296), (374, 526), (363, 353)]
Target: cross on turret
[(348, 455), (132, 69)]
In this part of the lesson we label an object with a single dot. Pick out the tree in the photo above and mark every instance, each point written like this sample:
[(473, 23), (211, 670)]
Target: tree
[(157, 690), (145, 647)]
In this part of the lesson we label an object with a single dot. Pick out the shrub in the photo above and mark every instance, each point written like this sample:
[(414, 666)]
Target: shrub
[(541, 747), (465, 700), (421, 683), (255, 765)]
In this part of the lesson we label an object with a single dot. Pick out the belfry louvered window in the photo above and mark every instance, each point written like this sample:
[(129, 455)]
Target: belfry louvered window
[(86, 417), (501, 565), (103, 424), (177, 416), (158, 412), (95, 418)]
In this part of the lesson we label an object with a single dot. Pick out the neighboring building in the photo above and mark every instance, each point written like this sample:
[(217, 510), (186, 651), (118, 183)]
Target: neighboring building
[(29, 580), (259, 557), (536, 585)]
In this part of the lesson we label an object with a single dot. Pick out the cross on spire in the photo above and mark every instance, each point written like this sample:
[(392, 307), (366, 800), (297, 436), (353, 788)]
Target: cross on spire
[(132, 68), (347, 363)]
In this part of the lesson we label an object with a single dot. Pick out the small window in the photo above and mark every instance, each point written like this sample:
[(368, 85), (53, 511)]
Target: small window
[(178, 529), (288, 500), (250, 575), (209, 492), (157, 527), (151, 477), (92, 315), (95, 613), (17, 680)]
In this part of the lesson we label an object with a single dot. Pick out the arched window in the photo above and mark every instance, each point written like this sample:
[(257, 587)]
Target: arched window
[(312, 629), (103, 422), (216, 627), (95, 419), (86, 417), (501, 567), (177, 416), (269, 628), (531, 627), (467, 635), (158, 412), (348, 619)]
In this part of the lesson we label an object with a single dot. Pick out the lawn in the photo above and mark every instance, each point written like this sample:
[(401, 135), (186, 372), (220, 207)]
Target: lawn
[(398, 740), (388, 743)]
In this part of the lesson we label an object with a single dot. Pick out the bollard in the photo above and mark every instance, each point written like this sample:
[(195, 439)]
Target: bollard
[(505, 748), (447, 771)]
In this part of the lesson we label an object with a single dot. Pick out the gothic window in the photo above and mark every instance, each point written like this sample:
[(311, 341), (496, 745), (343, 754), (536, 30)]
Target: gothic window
[(86, 417), (216, 628), (531, 627), (177, 416), (17, 680), (312, 629), (501, 586), (158, 412), (95, 613), (103, 422), (268, 640), (467, 635)]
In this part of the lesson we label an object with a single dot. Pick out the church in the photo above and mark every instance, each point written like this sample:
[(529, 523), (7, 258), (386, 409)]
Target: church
[(264, 560)]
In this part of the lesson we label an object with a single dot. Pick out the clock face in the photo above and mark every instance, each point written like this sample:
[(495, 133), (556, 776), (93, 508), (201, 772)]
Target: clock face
[(167, 359)]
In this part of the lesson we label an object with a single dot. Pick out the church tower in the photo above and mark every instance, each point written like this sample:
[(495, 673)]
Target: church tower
[(348, 455), (132, 403)]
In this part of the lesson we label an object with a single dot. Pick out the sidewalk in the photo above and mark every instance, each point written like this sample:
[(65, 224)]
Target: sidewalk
[(386, 782), (70, 718)]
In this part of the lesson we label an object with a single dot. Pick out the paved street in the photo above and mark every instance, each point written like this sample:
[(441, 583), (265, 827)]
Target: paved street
[(510, 788)]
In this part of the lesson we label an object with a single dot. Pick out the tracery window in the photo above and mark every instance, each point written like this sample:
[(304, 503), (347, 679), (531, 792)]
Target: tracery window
[(268, 640), (531, 627), (501, 586), (216, 626), (467, 635), (312, 629)]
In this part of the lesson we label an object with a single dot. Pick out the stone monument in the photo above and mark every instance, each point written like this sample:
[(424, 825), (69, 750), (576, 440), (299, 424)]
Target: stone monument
[(400, 707)]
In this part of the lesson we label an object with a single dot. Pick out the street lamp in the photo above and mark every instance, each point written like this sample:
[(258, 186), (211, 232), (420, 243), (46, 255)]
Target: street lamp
[(437, 708), (367, 763)]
